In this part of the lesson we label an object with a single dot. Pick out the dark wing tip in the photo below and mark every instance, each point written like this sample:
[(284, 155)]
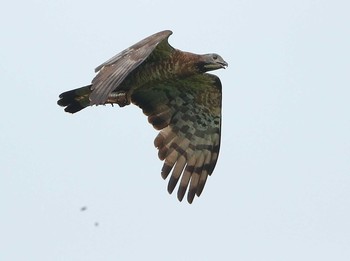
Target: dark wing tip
[(162, 34), (166, 32), (190, 197)]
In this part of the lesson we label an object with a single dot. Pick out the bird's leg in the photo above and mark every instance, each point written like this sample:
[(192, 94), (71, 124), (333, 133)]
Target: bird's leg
[(119, 98)]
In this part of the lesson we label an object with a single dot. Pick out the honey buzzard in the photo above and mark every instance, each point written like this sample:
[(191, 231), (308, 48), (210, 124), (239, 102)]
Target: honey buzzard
[(179, 98)]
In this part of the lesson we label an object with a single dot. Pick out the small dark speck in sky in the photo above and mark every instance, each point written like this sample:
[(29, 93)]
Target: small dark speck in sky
[(83, 208)]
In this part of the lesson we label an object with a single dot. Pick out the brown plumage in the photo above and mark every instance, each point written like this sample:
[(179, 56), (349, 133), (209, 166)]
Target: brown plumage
[(179, 98)]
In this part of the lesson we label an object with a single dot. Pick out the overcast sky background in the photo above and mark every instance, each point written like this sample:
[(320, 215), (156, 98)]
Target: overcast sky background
[(281, 188)]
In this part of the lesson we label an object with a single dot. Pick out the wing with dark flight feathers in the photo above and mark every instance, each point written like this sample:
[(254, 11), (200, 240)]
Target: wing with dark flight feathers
[(115, 70), (188, 113)]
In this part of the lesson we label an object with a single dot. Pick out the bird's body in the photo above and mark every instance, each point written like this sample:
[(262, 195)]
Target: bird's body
[(179, 98)]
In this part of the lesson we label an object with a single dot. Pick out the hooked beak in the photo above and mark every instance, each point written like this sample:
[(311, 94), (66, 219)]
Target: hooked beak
[(215, 66), (223, 64)]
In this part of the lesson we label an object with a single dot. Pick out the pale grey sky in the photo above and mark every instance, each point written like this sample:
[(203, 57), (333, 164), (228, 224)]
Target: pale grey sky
[(281, 188)]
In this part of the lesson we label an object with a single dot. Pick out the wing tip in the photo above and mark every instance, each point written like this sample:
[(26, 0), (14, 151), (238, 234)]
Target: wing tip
[(166, 32)]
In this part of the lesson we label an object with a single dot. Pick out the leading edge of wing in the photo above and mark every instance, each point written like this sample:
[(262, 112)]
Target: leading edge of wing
[(152, 41)]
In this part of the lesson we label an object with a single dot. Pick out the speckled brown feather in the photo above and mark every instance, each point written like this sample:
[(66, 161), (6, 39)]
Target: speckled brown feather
[(179, 98)]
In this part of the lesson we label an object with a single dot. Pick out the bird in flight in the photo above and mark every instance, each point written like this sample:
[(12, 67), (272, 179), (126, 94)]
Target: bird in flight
[(179, 97)]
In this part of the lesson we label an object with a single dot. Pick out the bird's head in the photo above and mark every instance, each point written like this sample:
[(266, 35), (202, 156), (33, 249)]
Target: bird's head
[(212, 61)]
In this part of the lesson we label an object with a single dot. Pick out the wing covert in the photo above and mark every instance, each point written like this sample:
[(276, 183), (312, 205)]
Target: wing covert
[(112, 72)]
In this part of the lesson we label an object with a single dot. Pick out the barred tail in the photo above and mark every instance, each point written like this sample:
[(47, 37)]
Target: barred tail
[(75, 100)]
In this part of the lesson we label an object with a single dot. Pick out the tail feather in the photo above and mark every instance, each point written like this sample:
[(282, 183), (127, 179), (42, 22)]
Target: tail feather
[(75, 100)]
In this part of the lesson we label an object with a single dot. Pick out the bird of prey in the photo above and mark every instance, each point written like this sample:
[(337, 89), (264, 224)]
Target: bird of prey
[(181, 100)]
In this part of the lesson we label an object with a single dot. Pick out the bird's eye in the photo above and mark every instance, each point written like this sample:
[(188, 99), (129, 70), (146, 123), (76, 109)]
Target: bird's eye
[(215, 57)]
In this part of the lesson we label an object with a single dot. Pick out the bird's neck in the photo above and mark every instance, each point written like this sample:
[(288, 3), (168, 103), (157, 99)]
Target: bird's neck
[(177, 66)]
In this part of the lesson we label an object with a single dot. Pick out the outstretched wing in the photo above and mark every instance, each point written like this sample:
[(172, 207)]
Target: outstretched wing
[(188, 113), (115, 70)]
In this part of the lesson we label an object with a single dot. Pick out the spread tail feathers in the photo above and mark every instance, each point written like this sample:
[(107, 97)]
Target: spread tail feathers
[(75, 100)]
